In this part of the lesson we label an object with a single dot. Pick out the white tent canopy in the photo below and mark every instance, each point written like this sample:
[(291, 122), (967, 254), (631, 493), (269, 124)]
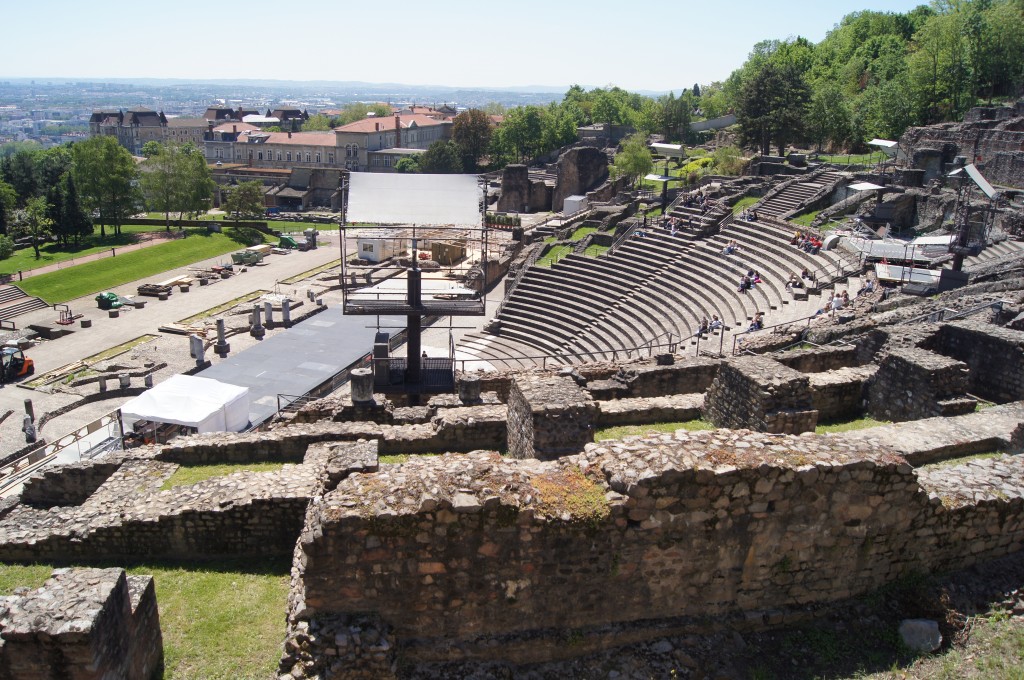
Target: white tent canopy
[(670, 150), (205, 404), (386, 198), (865, 186)]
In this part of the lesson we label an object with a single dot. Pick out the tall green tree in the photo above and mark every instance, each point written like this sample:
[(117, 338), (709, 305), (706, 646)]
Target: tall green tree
[(317, 123), (20, 173), (772, 106), (75, 222), (8, 201), (471, 132), (32, 221), (245, 200), (633, 160), (107, 180), (442, 157)]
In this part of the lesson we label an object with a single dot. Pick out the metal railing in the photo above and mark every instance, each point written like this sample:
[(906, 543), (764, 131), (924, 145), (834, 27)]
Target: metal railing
[(737, 340), (636, 352), (511, 286), (100, 436), (948, 314)]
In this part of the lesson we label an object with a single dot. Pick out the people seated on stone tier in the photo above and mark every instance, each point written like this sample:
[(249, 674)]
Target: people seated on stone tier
[(808, 275), (716, 323), (757, 323), (756, 278), (827, 306), (730, 248), (705, 326), (797, 237), (868, 287), (794, 282), (744, 284)]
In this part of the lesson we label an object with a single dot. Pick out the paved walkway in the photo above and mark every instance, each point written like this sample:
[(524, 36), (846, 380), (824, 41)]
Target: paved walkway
[(107, 332)]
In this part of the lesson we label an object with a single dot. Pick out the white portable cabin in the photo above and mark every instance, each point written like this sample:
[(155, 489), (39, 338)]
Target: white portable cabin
[(377, 245), (574, 204)]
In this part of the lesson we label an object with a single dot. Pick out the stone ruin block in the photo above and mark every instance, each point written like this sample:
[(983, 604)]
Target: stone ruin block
[(913, 383), (760, 394), (994, 355), (82, 624), (549, 417)]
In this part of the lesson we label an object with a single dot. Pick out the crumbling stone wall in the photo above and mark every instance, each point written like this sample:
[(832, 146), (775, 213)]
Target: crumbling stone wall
[(579, 170), (82, 624), (914, 383), (484, 557), (840, 394), (761, 394), (819, 359), (994, 355), (548, 417), (68, 484)]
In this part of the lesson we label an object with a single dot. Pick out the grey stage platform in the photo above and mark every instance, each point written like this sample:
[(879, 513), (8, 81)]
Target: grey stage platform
[(300, 358)]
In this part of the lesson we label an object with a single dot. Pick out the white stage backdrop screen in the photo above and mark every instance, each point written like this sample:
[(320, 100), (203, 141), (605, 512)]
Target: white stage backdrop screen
[(383, 198)]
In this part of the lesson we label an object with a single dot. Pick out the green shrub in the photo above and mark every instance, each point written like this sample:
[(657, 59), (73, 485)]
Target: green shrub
[(6, 247)]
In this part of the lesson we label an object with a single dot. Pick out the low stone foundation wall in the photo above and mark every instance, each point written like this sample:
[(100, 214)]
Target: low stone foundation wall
[(466, 557), (645, 411), (914, 383), (994, 355), (82, 624), (840, 394), (761, 394), (68, 484), (819, 359), (548, 416)]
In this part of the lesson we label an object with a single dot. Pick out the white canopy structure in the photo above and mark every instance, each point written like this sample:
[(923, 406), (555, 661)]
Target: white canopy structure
[(865, 186), (205, 404), (669, 150), (430, 200)]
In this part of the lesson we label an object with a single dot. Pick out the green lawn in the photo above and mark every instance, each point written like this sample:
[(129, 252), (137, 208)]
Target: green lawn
[(623, 431), (100, 275), (220, 621), (805, 219), (187, 475), (744, 203), (51, 253), (852, 159), (553, 256), (847, 425), (595, 250), (582, 233)]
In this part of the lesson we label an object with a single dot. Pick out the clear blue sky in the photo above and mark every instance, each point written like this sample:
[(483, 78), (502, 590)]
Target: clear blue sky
[(650, 44)]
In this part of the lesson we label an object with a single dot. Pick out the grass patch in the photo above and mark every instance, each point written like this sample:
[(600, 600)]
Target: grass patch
[(554, 255), (963, 459), (623, 431), (805, 219), (595, 250), (582, 233), (220, 621), (248, 297), (399, 458), (101, 275), (852, 159), (744, 203), (53, 253), (187, 475), (570, 493), (312, 272), (847, 425)]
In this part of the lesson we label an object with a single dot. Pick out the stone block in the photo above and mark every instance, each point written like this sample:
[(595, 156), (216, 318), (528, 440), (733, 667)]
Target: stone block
[(548, 417), (761, 394), (911, 382)]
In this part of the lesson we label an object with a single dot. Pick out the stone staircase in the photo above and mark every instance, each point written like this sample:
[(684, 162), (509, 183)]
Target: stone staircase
[(792, 197), (14, 302)]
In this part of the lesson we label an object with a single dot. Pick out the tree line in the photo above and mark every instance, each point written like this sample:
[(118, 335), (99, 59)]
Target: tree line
[(60, 193)]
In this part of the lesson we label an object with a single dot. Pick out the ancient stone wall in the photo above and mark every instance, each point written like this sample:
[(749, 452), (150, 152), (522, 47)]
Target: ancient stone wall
[(914, 383), (758, 393), (469, 557), (994, 355), (579, 170), (819, 359), (68, 484), (548, 417), (840, 394), (82, 624)]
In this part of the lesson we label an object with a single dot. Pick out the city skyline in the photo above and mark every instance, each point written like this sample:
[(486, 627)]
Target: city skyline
[(545, 45)]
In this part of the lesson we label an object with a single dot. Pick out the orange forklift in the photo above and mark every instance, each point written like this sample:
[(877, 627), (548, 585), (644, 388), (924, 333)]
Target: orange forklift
[(14, 364)]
